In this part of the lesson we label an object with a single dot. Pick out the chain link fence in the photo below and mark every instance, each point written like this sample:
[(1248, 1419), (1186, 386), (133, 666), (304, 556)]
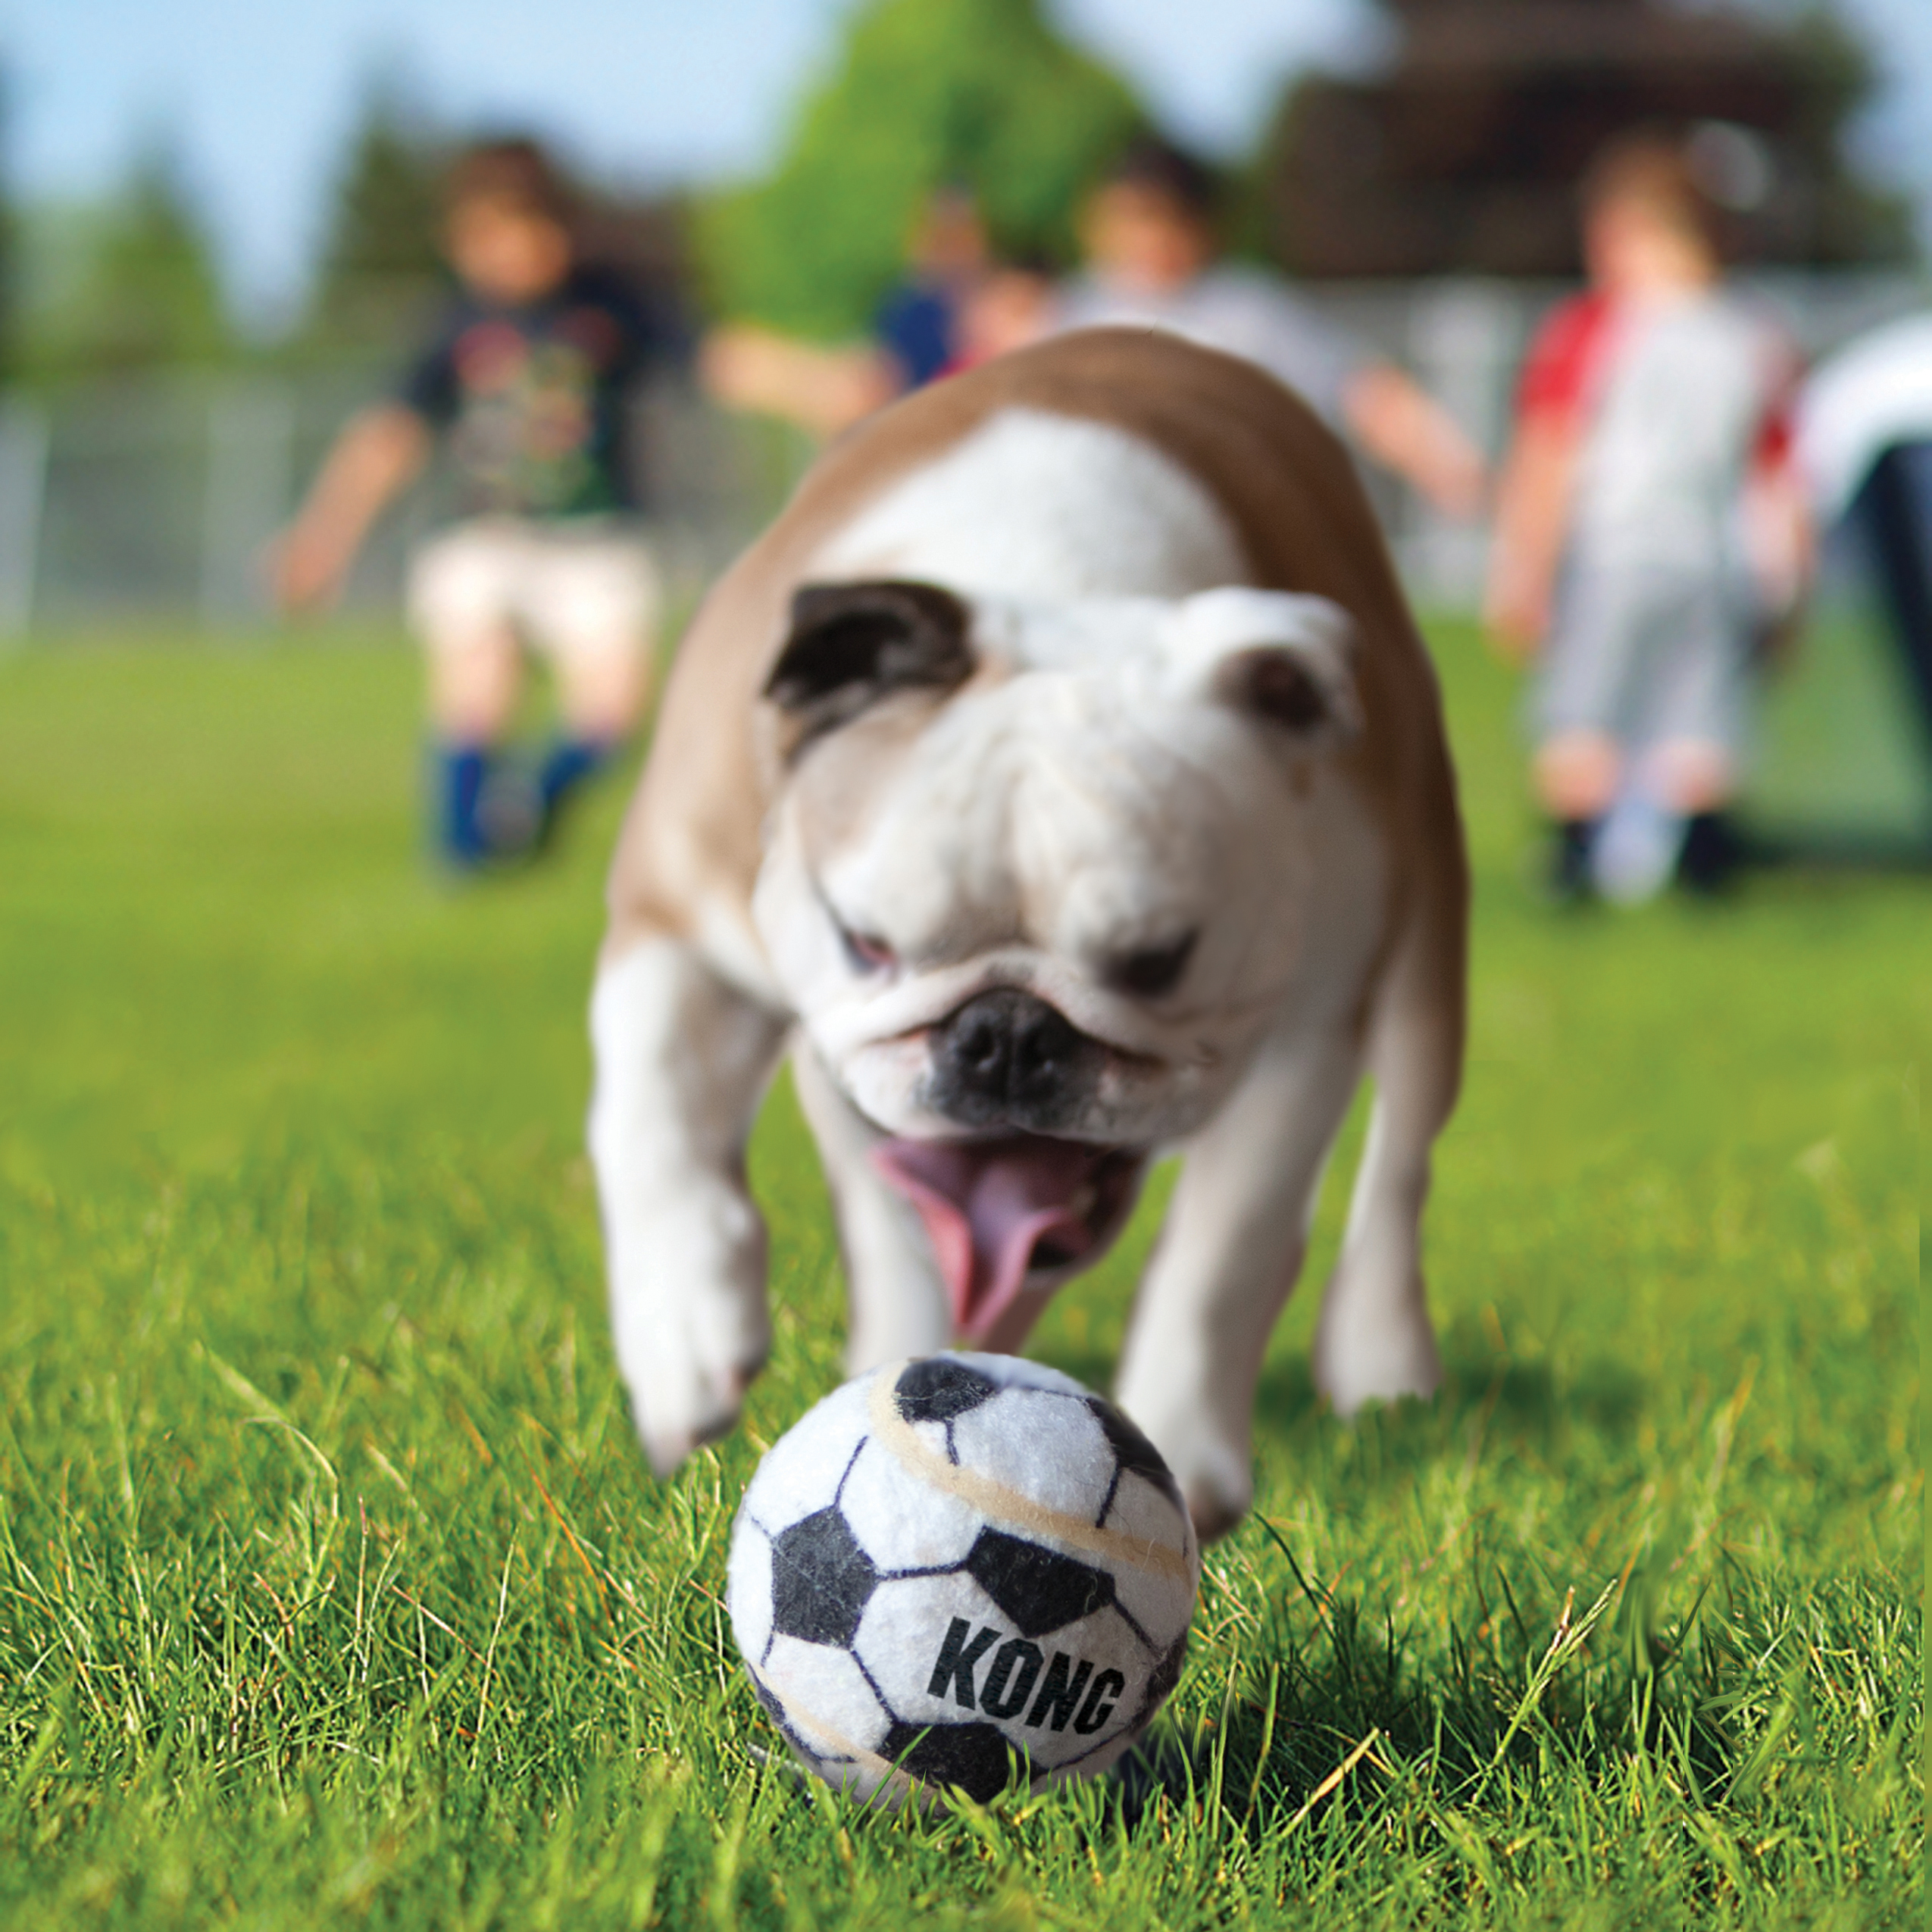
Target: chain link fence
[(153, 500)]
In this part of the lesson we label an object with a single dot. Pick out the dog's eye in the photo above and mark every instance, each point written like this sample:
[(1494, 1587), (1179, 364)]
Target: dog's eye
[(866, 954), (1155, 970)]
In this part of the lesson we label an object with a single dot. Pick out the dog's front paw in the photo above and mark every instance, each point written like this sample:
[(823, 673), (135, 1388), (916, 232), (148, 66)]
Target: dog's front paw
[(1217, 1479), (1361, 1357), (690, 1323), (679, 1400), (1215, 1508)]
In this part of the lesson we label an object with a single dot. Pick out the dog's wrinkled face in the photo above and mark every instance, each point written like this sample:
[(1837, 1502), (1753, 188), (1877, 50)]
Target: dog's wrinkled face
[(1035, 887)]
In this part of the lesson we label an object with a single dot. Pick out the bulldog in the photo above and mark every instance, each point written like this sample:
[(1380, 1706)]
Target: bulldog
[(1062, 778)]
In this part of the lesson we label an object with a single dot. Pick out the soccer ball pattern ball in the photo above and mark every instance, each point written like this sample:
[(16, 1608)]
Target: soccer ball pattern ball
[(956, 1562)]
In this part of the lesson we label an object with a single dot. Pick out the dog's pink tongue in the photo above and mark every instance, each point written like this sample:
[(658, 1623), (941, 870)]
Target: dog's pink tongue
[(986, 1206)]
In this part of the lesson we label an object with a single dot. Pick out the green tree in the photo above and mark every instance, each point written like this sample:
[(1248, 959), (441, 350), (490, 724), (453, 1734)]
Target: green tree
[(128, 284), (982, 92), (1852, 218), (1443, 163), (379, 264)]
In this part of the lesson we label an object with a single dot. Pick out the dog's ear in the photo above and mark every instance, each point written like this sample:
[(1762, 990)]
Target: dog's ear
[(1286, 660), (851, 643)]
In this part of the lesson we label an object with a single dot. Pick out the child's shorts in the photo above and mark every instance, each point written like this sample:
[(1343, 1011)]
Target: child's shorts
[(1649, 656), (569, 589)]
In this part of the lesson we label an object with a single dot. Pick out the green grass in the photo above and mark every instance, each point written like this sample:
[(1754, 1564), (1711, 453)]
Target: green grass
[(333, 1591)]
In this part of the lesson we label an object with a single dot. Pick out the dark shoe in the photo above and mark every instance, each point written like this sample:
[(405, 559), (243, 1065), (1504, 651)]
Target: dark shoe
[(1708, 864), (461, 773), (511, 812), (571, 763), (1566, 877)]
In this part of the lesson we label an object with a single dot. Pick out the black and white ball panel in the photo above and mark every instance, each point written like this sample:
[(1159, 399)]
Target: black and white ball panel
[(801, 1470), (976, 1757), (899, 1526), (1041, 1444), (1037, 1589), (1141, 1510), (940, 1388), (896, 1644), (821, 1580), (827, 1702), (1135, 1454), (747, 1589)]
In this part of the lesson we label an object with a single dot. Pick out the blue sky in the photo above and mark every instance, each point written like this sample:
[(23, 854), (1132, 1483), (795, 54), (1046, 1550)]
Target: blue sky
[(257, 93)]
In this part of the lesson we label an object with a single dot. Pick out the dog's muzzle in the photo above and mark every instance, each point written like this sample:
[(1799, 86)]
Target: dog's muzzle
[(1008, 1060)]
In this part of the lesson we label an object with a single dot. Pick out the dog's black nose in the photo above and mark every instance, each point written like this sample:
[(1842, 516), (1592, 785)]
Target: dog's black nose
[(1006, 1059)]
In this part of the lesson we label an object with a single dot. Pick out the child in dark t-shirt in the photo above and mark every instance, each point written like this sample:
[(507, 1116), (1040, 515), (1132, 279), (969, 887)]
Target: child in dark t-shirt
[(525, 384), (532, 397)]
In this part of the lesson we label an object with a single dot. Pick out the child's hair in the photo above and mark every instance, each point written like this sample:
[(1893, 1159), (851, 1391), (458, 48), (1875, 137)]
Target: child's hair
[(1164, 169), (1655, 170), (514, 170)]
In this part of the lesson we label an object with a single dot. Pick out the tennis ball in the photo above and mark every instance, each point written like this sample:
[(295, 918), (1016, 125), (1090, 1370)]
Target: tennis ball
[(956, 1564)]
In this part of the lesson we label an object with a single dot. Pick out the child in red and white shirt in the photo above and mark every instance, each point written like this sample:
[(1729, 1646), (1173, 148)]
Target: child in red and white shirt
[(1649, 523)]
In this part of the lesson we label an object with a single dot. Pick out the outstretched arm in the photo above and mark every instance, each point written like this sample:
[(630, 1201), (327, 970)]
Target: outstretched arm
[(1533, 516), (1782, 543), (376, 456), (823, 390), (1400, 424)]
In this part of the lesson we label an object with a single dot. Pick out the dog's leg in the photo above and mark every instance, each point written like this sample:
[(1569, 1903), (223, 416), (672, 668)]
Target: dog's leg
[(1375, 1340), (898, 1300), (1232, 1246), (681, 1060)]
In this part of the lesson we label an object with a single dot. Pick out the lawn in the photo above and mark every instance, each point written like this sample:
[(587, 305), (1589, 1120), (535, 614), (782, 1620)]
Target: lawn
[(333, 1589)]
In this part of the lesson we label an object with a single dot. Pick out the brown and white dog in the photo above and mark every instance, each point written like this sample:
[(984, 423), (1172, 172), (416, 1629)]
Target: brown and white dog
[(1062, 778)]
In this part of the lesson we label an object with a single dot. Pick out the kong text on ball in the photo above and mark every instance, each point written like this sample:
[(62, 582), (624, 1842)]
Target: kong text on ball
[(957, 1563)]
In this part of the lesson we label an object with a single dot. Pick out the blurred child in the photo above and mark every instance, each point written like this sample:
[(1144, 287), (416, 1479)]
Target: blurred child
[(917, 334), (1148, 233), (917, 326), (1015, 303), (1649, 524), (526, 383)]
